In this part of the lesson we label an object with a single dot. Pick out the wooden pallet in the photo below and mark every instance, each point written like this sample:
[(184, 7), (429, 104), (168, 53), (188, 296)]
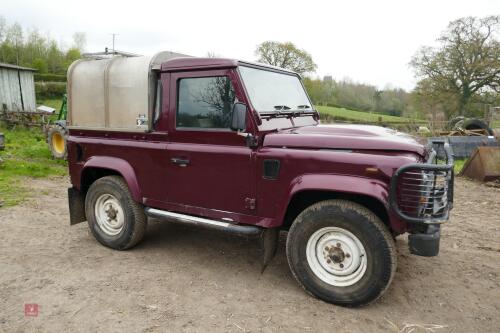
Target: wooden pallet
[(464, 132)]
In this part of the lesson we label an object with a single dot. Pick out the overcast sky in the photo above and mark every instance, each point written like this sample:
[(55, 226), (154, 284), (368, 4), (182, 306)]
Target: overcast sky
[(366, 41)]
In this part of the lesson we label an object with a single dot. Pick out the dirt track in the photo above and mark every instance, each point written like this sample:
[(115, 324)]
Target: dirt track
[(185, 279)]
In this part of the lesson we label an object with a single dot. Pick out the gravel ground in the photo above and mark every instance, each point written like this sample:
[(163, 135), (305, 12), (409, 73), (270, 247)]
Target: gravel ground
[(185, 279)]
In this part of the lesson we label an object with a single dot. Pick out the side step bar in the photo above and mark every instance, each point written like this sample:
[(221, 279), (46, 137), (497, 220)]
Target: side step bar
[(245, 230)]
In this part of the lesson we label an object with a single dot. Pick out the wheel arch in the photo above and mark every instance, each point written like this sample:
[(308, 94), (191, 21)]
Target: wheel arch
[(101, 166), (306, 198), (310, 189)]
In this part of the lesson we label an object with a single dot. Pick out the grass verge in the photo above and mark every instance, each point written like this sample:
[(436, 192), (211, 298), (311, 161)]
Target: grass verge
[(26, 155)]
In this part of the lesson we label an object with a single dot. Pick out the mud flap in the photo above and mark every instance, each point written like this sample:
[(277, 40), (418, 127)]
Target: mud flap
[(269, 243), (76, 201), (425, 245)]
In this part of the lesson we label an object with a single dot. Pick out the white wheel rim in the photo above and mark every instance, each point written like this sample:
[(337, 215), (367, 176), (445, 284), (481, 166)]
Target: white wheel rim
[(336, 256), (109, 214)]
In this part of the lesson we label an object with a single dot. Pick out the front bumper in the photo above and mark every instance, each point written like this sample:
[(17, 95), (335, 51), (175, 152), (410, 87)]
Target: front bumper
[(421, 194)]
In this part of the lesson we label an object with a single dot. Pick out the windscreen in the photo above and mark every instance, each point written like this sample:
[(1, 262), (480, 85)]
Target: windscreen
[(272, 91)]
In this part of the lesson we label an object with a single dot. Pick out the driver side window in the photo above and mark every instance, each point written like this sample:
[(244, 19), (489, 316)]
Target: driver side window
[(204, 102)]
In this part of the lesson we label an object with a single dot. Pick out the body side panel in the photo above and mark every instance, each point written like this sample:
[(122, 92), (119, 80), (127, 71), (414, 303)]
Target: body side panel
[(325, 170)]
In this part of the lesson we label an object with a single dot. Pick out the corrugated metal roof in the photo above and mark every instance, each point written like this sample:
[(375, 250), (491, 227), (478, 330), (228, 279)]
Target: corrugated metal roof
[(4, 65)]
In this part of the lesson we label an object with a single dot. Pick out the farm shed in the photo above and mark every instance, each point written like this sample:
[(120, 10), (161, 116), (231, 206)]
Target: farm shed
[(17, 88)]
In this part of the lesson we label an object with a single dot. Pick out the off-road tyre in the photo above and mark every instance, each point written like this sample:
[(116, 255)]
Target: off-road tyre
[(472, 124), (454, 121), (57, 136), (378, 243), (135, 220)]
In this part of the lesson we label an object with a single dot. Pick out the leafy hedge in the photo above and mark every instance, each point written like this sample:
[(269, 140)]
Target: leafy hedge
[(50, 89), (50, 77)]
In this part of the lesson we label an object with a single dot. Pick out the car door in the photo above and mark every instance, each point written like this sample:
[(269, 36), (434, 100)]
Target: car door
[(210, 168)]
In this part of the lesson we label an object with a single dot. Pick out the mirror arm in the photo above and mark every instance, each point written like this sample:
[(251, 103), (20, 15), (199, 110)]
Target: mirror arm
[(243, 134), (251, 140)]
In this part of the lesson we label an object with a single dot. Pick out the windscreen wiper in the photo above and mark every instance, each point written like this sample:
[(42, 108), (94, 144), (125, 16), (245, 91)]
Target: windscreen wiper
[(286, 114)]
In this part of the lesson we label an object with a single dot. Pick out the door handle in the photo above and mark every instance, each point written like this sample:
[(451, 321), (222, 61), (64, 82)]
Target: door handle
[(180, 161)]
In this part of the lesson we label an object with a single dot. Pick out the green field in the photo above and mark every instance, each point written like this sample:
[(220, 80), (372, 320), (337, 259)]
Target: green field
[(360, 116), (53, 103), (26, 155)]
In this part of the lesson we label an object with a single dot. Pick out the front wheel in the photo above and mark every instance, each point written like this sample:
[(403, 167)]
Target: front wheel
[(341, 252)]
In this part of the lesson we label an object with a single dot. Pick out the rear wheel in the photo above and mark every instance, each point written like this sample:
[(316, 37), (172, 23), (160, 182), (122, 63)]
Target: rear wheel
[(114, 218), (341, 252), (57, 142)]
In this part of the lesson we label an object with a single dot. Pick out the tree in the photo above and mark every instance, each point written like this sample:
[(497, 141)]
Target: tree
[(40, 65), (15, 38), (79, 41), (34, 47), (54, 57), (31, 49), (285, 55), (3, 27), (466, 64), (71, 55), (320, 91), (3, 24)]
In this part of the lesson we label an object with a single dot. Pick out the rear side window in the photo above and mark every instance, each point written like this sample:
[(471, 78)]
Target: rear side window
[(205, 102)]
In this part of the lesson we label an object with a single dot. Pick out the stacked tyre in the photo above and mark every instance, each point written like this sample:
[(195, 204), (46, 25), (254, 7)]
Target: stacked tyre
[(469, 124)]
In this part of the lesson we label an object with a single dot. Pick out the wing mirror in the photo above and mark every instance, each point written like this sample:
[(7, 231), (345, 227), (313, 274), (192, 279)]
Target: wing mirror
[(238, 117)]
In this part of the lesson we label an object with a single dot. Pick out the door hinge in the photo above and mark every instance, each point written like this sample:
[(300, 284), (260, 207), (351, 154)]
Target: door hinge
[(249, 203)]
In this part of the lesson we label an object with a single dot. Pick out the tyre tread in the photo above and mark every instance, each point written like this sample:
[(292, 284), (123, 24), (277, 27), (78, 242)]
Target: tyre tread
[(383, 232)]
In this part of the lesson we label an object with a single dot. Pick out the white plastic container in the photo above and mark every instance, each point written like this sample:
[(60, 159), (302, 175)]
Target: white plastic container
[(115, 93)]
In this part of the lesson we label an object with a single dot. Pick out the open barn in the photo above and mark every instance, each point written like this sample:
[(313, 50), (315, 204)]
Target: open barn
[(17, 88)]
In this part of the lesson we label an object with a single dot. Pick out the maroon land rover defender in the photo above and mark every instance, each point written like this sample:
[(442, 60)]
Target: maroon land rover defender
[(238, 147)]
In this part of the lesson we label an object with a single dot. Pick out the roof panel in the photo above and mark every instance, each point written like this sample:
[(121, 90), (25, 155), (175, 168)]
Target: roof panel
[(195, 62), (185, 63), (4, 65)]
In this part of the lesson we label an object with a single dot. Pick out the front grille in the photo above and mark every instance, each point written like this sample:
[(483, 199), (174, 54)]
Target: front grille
[(424, 192)]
